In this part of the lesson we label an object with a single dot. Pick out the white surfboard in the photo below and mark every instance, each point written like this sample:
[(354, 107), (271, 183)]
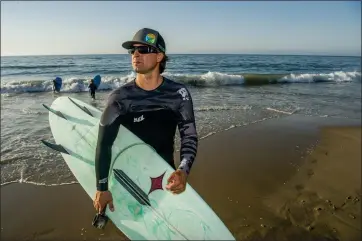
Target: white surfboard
[(144, 209)]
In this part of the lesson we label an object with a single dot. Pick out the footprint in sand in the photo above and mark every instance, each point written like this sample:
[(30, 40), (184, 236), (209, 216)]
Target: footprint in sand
[(299, 187), (331, 205), (348, 200), (310, 172), (318, 209), (310, 228)]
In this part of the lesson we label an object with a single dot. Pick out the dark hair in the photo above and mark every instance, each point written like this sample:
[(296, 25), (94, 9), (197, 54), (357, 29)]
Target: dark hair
[(163, 64)]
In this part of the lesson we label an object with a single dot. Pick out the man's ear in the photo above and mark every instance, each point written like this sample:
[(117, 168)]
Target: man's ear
[(160, 57)]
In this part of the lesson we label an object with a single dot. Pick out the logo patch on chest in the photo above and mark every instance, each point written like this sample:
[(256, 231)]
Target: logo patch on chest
[(138, 119)]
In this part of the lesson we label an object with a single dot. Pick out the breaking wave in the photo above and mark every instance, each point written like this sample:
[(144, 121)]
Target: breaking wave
[(209, 79)]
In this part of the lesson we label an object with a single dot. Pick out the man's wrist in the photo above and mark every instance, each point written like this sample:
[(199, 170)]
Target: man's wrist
[(184, 166), (182, 170), (102, 185)]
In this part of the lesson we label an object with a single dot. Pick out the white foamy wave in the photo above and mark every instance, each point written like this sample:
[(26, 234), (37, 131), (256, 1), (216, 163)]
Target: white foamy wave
[(208, 79), (108, 83), (230, 127), (38, 184), (338, 76), (219, 108), (72, 84), (27, 110), (235, 126), (207, 135), (281, 111)]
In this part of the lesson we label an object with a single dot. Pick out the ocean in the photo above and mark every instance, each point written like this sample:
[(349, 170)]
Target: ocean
[(228, 91)]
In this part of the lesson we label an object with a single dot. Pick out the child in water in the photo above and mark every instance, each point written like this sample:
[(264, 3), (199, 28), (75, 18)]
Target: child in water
[(92, 88)]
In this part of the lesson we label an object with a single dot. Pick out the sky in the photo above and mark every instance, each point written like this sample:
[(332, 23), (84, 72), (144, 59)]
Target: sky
[(235, 27)]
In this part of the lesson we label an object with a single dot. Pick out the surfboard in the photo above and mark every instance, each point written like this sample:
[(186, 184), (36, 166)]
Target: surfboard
[(144, 209), (58, 84), (97, 80)]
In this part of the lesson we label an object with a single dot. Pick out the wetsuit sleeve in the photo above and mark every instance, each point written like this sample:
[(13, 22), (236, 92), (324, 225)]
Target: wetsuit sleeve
[(108, 130), (188, 134)]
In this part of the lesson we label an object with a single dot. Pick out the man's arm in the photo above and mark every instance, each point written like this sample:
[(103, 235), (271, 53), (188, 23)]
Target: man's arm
[(188, 134), (108, 130)]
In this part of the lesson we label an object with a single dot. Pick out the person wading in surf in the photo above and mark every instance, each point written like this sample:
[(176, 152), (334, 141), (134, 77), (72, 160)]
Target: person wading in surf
[(54, 85), (151, 106), (92, 89)]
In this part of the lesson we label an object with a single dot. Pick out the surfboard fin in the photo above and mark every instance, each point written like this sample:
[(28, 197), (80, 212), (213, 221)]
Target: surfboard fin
[(69, 118), (58, 113), (83, 108), (60, 148), (55, 147)]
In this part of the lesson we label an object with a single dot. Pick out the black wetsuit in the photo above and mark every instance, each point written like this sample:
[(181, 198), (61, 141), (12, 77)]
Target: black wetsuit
[(151, 115), (92, 88), (54, 84)]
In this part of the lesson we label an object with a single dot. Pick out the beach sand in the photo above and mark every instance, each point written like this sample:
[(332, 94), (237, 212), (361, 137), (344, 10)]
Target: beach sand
[(294, 178)]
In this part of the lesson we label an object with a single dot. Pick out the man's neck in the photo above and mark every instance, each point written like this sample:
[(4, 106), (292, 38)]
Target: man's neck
[(149, 81)]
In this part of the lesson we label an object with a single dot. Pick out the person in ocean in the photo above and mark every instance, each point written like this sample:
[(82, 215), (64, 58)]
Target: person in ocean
[(92, 89), (57, 84), (54, 84)]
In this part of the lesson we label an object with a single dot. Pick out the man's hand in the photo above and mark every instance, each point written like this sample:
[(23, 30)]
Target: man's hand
[(177, 182), (102, 199)]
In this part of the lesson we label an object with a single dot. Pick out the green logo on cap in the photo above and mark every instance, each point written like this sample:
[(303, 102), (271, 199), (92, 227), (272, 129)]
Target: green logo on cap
[(150, 38)]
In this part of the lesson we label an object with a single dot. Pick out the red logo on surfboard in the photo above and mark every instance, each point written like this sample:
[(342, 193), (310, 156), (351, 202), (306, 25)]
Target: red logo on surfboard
[(156, 183)]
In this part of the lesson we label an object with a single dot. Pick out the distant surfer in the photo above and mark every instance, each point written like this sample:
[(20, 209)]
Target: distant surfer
[(54, 85), (151, 106), (57, 84), (92, 89)]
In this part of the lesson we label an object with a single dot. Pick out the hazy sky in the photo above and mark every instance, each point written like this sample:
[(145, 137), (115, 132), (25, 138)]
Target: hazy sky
[(52, 27)]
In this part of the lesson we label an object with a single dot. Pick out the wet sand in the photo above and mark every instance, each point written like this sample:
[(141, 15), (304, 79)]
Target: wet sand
[(296, 178)]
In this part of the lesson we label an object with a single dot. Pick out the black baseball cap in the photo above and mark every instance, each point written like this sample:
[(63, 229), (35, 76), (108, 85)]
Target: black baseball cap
[(148, 37)]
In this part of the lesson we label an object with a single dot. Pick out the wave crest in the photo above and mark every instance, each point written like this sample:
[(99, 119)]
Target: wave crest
[(209, 79)]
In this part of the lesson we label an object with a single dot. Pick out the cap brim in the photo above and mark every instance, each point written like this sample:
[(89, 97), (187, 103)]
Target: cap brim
[(129, 44)]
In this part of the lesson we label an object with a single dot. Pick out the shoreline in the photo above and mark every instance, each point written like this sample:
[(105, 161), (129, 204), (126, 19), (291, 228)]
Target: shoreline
[(254, 177)]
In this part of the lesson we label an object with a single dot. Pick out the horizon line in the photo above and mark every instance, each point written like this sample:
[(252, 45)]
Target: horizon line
[(266, 54)]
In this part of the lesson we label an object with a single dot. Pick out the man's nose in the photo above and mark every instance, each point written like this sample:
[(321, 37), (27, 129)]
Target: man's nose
[(136, 53)]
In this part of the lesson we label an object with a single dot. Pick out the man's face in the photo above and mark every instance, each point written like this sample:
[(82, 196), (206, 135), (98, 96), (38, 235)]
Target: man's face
[(145, 62)]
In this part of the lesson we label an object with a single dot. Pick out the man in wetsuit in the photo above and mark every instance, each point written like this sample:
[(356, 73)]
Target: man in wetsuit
[(151, 106), (92, 88), (54, 84)]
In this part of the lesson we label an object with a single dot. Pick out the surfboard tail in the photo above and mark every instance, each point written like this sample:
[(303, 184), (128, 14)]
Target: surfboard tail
[(58, 84), (97, 80)]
